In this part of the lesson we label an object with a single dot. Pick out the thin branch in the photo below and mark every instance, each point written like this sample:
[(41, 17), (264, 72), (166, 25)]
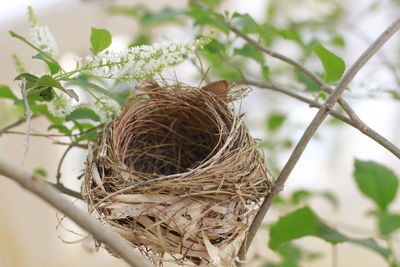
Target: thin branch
[(60, 187), (291, 93), (34, 134), (355, 121), (363, 127), (58, 175), (311, 129), (28, 115), (49, 194), (14, 124)]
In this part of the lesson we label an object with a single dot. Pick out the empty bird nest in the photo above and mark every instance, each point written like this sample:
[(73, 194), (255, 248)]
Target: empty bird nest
[(178, 173)]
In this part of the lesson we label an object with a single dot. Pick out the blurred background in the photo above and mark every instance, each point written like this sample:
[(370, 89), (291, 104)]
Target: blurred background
[(30, 233)]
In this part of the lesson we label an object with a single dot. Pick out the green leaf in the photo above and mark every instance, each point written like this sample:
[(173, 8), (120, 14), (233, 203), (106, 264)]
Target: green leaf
[(300, 195), (47, 94), (290, 35), (338, 41), (249, 51), (40, 172), (304, 222), (82, 81), (333, 65), (142, 39), (166, 15), (27, 76), (100, 40), (82, 113), (61, 129), (275, 121), (207, 17), (376, 182), (44, 110), (245, 22), (311, 86), (54, 67), (265, 72), (331, 198), (5, 92), (48, 81), (387, 222)]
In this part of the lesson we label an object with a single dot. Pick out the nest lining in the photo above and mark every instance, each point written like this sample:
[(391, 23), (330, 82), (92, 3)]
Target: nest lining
[(177, 173)]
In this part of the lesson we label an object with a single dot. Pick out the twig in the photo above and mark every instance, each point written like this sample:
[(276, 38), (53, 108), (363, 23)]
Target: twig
[(73, 144), (60, 187), (364, 128), (90, 224), (58, 175), (28, 115), (291, 93), (355, 121), (14, 124), (311, 129), (33, 134)]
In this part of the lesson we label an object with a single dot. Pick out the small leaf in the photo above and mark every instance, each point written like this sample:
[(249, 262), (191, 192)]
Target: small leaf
[(333, 65), (275, 121), (388, 223), (207, 17), (82, 81), (376, 182), (249, 51), (61, 128), (27, 76), (82, 113), (166, 15), (245, 22), (304, 222), (100, 40), (338, 41), (40, 172), (265, 72), (5, 92), (311, 86), (300, 195), (43, 109), (48, 81), (331, 198), (54, 67), (47, 94)]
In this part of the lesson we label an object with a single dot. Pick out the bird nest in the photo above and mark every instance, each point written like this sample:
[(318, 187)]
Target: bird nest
[(177, 173)]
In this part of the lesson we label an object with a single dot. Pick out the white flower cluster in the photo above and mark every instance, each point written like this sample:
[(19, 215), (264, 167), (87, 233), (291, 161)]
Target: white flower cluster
[(107, 109), (41, 35), (61, 105), (142, 62)]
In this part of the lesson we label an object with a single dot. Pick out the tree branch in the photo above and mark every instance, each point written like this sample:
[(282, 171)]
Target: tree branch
[(311, 129), (291, 93), (355, 121), (84, 220)]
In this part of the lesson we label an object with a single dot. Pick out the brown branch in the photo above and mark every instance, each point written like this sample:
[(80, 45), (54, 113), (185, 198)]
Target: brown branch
[(84, 220), (60, 187), (363, 127), (311, 129), (291, 93), (354, 121)]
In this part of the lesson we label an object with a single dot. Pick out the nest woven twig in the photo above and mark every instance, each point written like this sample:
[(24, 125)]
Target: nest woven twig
[(177, 172)]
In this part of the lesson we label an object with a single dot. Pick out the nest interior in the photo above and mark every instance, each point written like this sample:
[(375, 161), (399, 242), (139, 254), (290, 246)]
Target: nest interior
[(177, 172)]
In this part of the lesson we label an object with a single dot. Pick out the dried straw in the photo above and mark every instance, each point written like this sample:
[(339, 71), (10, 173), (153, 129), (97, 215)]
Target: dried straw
[(177, 173)]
